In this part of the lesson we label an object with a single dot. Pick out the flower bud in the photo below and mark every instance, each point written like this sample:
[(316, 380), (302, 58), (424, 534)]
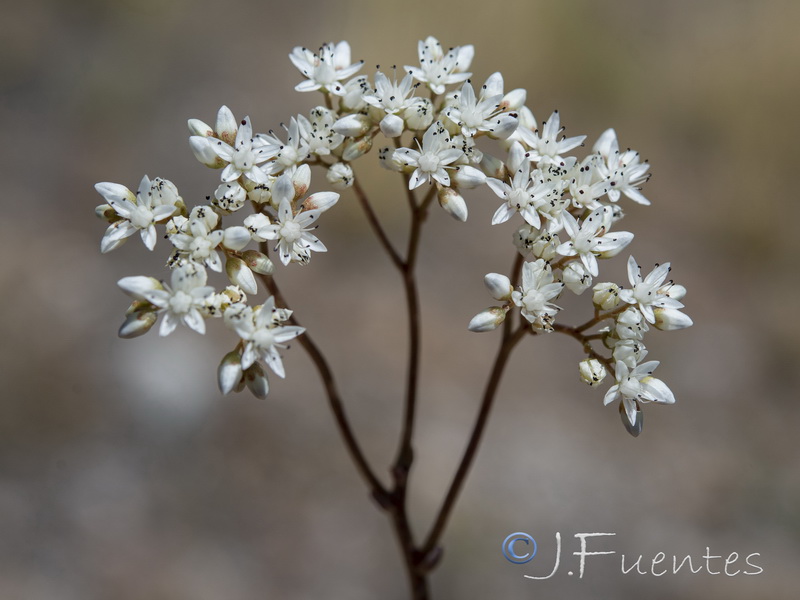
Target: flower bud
[(631, 325), (236, 237), (670, 319), (137, 323), (229, 197), (340, 175), (514, 100), (392, 126), (301, 179), (576, 277), (107, 213), (504, 126), (452, 202), (202, 150), (606, 296), (198, 127), (631, 352), (258, 262), (389, 161), (239, 274), (488, 319), (419, 116), (229, 372), (320, 201), (357, 148), (632, 417), (499, 286), (138, 286), (226, 126), (493, 167), (672, 290), (353, 126), (592, 371), (256, 380), (469, 177)]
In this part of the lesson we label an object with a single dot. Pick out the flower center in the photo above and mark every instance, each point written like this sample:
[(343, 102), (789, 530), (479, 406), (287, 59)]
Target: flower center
[(180, 303), (243, 158), (142, 217), (263, 338), (291, 231), (429, 162)]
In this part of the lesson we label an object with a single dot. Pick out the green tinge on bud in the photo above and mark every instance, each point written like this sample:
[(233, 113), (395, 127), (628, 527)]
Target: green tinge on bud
[(229, 372), (488, 320), (240, 274), (353, 125), (137, 323), (258, 262), (452, 202), (606, 296), (499, 286), (357, 148), (670, 319), (198, 127), (592, 371), (256, 380), (107, 213)]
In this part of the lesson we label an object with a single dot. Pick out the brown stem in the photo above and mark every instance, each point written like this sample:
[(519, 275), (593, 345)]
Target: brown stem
[(507, 345)]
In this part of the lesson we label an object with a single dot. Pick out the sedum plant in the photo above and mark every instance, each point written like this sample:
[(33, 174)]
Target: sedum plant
[(443, 137)]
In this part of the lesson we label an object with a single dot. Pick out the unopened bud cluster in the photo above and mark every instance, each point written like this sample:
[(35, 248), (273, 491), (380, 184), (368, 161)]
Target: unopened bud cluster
[(430, 124)]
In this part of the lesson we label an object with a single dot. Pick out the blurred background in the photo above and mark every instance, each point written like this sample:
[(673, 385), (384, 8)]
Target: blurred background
[(124, 474)]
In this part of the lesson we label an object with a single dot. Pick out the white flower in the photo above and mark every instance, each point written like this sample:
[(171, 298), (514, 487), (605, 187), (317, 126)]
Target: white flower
[(646, 292), (637, 385), (244, 156), (622, 170), (392, 98), (318, 133), (591, 371), (325, 70), (197, 239), (154, 201), (292, 231), (535, 293), (230, 197), (525, 195), (438, 69), (482, 113), (289, 154), (435, 154), (590, 240), (586, 185), (182, 302), (548, 148), (262, 332)]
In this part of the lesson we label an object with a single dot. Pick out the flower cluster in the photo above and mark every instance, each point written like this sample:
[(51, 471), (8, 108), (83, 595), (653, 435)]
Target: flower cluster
[(435, 122)]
